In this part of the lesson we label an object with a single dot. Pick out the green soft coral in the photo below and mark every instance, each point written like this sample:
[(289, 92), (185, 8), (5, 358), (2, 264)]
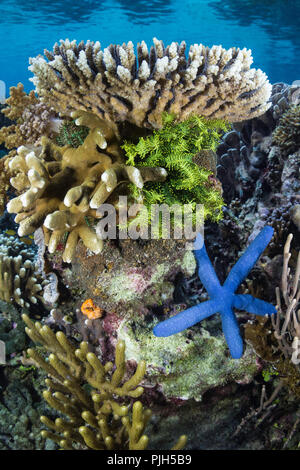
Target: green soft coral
[(174, 147)]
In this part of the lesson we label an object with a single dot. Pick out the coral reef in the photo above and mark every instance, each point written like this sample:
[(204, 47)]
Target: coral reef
[(109, 123), (96, 420), (284, 96), (118, 86), (288, 332), (12, 331), (247, 153), (20, 410), (265, 194)]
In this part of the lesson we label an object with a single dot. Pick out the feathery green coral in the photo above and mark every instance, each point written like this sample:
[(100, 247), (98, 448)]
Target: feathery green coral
[(175, 147), (90, 395)]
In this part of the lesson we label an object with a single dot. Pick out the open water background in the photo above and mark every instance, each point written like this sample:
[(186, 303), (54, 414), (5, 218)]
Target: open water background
[(271, 28)]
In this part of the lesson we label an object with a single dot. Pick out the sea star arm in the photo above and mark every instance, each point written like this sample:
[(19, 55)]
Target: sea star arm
[(206, 271), (243, 266), (186, 319), (253, 305), (232, 333)]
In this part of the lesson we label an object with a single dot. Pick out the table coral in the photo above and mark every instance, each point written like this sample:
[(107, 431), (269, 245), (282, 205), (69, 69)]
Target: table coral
[(223, 298), (119, 86)]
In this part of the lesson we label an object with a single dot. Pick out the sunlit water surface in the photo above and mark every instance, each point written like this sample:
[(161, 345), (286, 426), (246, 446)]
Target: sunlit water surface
[(271, 28)]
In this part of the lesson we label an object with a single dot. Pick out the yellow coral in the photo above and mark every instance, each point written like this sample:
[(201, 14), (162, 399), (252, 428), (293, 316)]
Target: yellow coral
[(97, 419), (61, 186)]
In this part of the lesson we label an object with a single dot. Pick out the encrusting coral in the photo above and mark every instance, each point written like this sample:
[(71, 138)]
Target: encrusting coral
[(19, 280), (61, 186), (96, 420), (119, 86)]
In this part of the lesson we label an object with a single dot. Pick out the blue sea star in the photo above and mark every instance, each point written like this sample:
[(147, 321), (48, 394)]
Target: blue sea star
[(223, 298)]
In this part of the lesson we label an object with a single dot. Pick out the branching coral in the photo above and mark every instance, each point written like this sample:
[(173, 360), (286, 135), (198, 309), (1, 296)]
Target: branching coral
[(287, 332), (61, 186), (97, 419), (287, 133), (19, 280), (278, 341), (118, 86), (31, 117)]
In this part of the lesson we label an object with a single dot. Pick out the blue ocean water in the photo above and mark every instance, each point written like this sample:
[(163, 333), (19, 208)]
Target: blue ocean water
[(271, 28)]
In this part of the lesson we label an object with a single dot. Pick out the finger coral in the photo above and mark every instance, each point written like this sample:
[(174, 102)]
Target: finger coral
[(61, 186), (19, 280), (118, 85), (97, 419), (287, 324)]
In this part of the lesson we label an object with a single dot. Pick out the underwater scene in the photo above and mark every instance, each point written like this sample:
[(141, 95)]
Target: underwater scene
[(150, 227)]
